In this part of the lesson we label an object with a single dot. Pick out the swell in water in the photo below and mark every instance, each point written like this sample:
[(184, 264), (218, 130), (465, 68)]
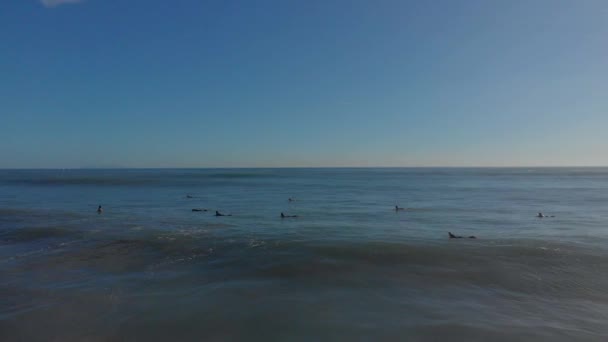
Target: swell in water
[(124, 177)]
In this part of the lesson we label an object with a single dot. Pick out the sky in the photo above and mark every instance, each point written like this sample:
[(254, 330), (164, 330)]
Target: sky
[(285, 83)]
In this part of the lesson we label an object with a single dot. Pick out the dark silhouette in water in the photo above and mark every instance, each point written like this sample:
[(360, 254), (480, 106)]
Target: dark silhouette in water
[(287, 216), (398, 209), (189, 196), (452, 236), (199, 209), (217, 213), (99, 210), (291, 199), (541, 215)]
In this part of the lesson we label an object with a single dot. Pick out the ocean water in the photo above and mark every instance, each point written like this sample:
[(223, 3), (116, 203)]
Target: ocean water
[(348, 268)]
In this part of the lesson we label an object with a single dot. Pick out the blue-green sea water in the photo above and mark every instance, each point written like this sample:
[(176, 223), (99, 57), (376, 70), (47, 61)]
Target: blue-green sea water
[(348, 268)]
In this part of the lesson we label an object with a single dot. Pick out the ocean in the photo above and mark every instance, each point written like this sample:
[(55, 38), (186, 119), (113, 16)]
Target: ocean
[(348, 268)]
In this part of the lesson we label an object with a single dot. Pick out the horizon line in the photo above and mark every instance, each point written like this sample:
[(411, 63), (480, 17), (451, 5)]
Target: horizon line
[(303, 167)]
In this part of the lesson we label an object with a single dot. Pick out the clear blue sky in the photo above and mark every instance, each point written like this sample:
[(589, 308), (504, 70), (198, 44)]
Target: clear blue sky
[(194, 83)]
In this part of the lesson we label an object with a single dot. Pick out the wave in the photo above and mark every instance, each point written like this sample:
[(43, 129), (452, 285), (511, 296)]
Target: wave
[(127, 178), (35, 233), (427, 253), (12, 215), (102, 181), (523, 266), (555, 271), (5, 212)]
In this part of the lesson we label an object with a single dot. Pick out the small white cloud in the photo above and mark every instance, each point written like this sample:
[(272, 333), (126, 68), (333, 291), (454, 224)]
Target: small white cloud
[(55, 3)]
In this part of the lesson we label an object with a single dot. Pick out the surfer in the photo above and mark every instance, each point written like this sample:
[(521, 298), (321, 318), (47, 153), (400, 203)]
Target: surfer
[(452, 236), (287, 216), (397, 208), (217, 213), (196, 209), (99, 210)]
